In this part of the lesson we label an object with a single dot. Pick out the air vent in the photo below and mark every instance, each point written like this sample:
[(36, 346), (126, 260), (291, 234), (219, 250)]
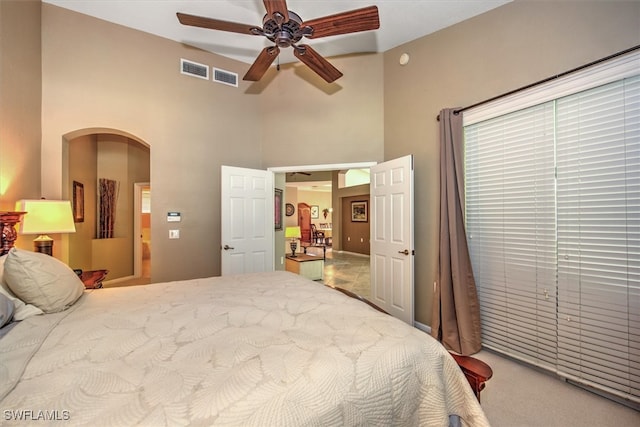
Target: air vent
[(225, 77), (194, 69)]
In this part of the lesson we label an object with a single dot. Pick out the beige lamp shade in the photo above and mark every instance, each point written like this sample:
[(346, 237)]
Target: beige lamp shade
[(46, 216), (292, 232)]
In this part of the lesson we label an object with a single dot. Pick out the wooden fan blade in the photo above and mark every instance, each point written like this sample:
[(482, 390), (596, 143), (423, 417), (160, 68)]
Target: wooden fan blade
[(262, 63), (215, 24), (279, 6), (317, 63), (353, 21)]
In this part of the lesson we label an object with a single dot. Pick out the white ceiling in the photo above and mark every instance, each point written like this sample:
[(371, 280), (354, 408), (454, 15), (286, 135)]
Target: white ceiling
[(400, 21)]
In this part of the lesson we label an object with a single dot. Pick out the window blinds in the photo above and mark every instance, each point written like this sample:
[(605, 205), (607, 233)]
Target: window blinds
[(510, 216), (598, 155), (557, 261)]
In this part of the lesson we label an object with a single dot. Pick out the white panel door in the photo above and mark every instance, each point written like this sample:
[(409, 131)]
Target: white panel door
[(247, 220), (392, 248)]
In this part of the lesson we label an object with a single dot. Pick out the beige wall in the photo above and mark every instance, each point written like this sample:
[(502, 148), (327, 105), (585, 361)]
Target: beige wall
[(102, 77), (113, 78), (306, 121), (501, 50), (322, 199), (20, 94), (83, 158), (99, 78)]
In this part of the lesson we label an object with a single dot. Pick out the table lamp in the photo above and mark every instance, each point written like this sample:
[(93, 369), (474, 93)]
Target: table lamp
[(45, 217), (293, 233)]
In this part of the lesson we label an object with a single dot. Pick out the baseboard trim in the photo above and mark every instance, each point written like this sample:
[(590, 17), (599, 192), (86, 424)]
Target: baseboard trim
[(422, 327)]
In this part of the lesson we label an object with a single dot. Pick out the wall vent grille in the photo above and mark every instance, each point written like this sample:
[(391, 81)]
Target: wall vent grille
[(194, 69), (225, 77)]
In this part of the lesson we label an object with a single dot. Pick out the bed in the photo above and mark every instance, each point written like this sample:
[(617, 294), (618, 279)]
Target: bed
[(268, 349)]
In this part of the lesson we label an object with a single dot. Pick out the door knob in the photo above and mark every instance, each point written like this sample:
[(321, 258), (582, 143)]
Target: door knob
[(227, 247), (406, 252)]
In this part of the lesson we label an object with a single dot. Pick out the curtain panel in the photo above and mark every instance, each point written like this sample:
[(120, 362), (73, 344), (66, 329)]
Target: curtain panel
[(456, 311)]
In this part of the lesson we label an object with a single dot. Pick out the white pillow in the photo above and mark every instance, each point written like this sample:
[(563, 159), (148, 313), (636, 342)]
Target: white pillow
[(22, 310), (41, 280)]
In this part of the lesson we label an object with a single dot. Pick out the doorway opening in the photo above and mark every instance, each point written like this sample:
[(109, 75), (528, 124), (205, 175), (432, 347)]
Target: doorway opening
[(319, 194), (142, 230), (94, 154)]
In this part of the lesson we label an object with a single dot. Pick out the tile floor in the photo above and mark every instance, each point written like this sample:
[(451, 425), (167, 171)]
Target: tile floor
[(348, 271)]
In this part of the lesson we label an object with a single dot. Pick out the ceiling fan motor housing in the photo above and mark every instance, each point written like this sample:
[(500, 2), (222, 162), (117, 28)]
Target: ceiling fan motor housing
[(283, 35)]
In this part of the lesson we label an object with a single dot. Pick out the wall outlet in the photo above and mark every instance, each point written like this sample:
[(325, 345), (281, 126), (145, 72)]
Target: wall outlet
[(174, 234)]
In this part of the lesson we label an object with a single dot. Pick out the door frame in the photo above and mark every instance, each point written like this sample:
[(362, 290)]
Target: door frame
[(344, 166), (319, 168), (137, 227)]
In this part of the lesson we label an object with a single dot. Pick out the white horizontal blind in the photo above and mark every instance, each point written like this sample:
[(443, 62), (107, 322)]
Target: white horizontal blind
[(598, 154), (510, 216), (553, 222)]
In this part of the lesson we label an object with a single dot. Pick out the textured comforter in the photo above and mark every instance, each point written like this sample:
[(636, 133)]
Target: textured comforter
[(270, 349)]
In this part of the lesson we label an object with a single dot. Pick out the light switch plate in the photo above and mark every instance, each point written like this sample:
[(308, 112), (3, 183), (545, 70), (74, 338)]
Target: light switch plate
[(174, 234)]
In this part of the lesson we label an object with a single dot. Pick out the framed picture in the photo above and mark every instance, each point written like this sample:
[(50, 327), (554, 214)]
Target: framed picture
[(315, 212), (78, 202), (278, 208), (359, 211)]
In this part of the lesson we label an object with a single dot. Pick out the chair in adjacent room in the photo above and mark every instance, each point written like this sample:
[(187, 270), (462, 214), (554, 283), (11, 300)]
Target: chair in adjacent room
[(318, 236)]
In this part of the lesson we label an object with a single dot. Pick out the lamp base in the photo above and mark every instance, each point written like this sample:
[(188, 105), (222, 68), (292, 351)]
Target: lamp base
[(44, 245), (294, 246)]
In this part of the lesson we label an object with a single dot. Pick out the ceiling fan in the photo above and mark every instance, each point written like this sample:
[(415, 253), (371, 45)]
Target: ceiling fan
[(285, 28)]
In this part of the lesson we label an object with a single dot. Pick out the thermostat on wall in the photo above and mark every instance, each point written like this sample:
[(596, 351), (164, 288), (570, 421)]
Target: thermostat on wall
[(173, 217)]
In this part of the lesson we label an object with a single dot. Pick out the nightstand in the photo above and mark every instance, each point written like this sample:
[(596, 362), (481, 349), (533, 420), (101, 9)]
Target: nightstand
[(309, 266), (476, 371), (92, 279)]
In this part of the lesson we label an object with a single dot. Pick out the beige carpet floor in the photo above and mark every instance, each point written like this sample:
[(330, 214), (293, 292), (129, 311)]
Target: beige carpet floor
[(520, 396)]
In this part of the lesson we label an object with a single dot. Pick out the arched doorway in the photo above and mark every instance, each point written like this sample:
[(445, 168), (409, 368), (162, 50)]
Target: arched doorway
[(93, 155)]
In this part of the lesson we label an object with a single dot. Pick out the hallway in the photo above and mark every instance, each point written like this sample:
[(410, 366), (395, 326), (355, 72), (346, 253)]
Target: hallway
[(348, 271)]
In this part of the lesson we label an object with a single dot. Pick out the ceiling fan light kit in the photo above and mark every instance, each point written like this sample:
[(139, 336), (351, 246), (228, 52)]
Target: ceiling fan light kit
[(285, 29)]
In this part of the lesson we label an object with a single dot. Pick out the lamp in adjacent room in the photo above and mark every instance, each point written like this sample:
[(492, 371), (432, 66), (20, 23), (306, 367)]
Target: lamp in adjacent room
[(292, 233), (45, 217)]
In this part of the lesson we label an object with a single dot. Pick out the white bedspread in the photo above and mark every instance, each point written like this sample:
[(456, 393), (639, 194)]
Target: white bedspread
[(270, 349)]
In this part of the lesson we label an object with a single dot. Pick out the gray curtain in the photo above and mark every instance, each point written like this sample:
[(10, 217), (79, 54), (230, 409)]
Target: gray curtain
[(456, 311)]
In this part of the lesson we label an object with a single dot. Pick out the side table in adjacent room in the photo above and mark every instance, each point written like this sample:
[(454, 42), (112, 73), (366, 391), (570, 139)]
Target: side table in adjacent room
[(309, 266)]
